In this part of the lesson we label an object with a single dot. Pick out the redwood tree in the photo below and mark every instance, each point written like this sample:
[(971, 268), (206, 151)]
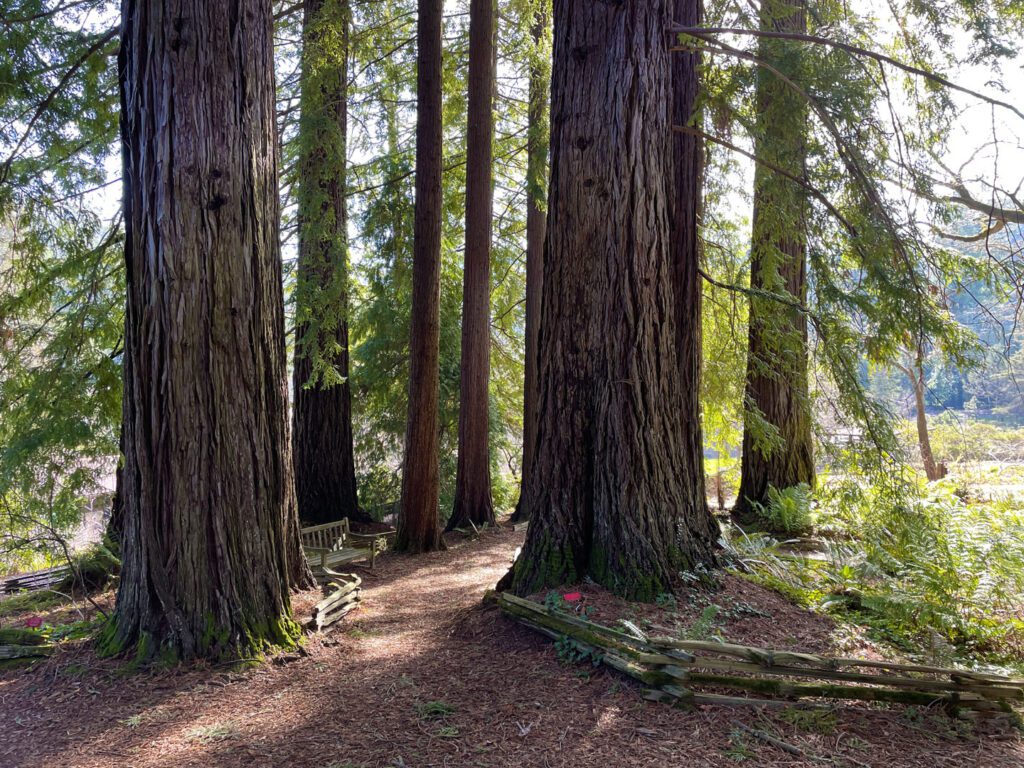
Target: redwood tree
[(473, 502), (207, 488), (687, 170), (777, 442), (605, 493), (419, 528), (325, 478), (536, 225)]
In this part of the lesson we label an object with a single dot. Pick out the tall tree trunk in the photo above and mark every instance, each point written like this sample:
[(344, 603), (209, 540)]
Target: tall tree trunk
[(688, 169), (605, 493), (933, 470), (777, 442), (419, 528), (536, 226), (325, 476), (208, 488), (473, 503)]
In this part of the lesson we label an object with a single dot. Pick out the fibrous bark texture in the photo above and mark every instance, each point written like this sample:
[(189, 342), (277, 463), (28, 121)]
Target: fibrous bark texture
[(687, 168), (473, 502), (325, 477), (419, 528), (777, 442), (208, 492), (536, 225), (605, 492)]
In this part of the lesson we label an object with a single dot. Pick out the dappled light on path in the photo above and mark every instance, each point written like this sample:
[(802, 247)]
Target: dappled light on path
[(424, 675)]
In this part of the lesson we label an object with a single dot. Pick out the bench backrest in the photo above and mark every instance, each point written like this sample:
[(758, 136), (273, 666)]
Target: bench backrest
[(326, 536)]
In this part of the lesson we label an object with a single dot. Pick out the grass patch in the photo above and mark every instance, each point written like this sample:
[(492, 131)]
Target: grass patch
[(30, 602), (207, 734), (821, 721), (434, 710)]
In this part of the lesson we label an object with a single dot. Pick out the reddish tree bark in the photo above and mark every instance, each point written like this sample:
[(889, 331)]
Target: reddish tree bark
[(688, 169), (207, 488), (536, 225), (325, 476), (604, 492), (473, 502), (419, 528), (776, 381)]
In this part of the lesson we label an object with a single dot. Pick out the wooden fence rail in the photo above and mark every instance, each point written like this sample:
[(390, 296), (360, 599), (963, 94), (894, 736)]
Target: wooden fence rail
[(676, 669)]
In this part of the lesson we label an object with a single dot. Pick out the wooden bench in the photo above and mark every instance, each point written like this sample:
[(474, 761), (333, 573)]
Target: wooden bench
[(333, 545)]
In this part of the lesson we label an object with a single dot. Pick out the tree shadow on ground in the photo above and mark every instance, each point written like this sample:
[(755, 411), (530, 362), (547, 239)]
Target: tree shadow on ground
[(423, 674)]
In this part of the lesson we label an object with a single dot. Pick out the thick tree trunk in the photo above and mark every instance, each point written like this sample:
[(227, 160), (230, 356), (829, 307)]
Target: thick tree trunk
[(419, 528), (473, 501), (777, 442), (325, 476), (688, 168), (208, 488), (605, 492), (536, 226)]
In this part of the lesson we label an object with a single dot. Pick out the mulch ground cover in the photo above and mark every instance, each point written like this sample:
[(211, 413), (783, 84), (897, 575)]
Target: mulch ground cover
[(424, 674)]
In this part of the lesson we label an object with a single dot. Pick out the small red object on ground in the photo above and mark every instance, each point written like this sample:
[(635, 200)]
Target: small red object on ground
[(572, 597), (34, 622)]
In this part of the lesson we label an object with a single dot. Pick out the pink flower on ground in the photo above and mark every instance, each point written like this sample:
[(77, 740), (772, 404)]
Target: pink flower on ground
[(34, 622)]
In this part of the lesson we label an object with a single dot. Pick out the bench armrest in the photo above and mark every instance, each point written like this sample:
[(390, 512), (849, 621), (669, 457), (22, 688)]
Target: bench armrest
[(377, 542)]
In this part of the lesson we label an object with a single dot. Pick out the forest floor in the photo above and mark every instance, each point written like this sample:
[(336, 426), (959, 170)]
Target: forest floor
[(424, 674)]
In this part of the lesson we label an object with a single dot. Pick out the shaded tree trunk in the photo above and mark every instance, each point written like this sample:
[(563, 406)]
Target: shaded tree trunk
[(419, 528), (208, 491), (604, 492), (473, 502), (777, 442), (536, 225), (688, 169), (325, 477), (115, 525)]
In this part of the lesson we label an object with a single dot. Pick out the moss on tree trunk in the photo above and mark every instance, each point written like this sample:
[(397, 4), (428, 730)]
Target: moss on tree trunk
[(210, 534)]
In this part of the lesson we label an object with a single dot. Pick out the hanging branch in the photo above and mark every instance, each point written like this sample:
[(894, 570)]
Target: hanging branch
[(706, 33)]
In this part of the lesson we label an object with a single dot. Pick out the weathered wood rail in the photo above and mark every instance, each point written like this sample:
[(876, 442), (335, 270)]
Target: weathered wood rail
[(675, 670), (344, 597), (35, 580), (22, 645)]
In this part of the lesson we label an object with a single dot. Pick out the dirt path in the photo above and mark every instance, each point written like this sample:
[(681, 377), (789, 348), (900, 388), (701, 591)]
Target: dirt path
[(422, 675)]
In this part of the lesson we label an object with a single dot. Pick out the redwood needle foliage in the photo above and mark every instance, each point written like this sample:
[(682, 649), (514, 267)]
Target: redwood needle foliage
[(746, 226)]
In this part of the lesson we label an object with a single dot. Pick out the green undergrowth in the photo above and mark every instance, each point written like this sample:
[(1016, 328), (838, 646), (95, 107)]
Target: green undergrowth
[(30, 602), (938, 577)]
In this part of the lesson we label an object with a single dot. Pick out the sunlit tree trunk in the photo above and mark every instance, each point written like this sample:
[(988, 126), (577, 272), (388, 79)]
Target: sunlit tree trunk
[(419, 528), (777, 441), (473, 502), (208, 491), (536, 225), (325, 477), (932, 469), (605, 492)]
